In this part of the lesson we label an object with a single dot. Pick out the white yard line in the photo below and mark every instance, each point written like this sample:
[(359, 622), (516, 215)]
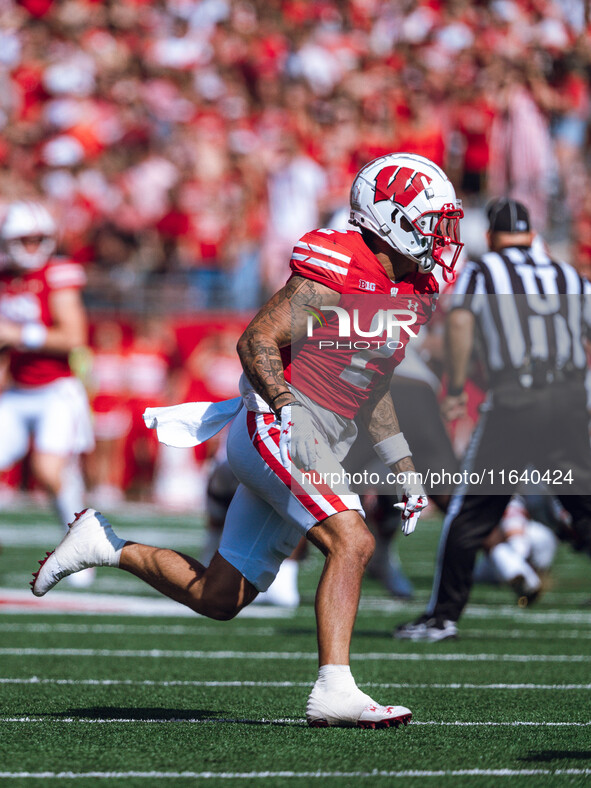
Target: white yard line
[(296, 775), (286, 655), (556, 614), (199, 628), (280, 721), (35, 680)]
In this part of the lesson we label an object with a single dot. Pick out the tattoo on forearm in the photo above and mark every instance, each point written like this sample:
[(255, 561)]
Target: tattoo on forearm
[(383, 420)]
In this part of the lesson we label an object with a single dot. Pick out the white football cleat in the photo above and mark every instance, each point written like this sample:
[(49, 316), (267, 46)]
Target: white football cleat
[(352, 710), (90, 541), (384, 717)]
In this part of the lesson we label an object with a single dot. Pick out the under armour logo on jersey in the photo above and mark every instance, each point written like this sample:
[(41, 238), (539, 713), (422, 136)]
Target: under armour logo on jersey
[(289, 424), (414, 305), (401, 184)]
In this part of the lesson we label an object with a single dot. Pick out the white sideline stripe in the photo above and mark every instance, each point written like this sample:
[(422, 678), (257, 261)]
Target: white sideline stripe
[(296, 775), (47, 536), (33, 680), (23, 601), (186, 654), (279, 721)]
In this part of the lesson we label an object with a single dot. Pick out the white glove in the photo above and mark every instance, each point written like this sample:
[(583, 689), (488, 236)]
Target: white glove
[(297, 441), (411, 507)]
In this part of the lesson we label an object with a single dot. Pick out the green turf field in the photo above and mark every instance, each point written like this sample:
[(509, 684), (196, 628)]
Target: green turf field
[(167, 699)]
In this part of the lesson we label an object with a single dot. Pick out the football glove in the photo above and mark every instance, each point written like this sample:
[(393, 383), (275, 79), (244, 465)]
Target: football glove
[(297, 441), (411, 507)]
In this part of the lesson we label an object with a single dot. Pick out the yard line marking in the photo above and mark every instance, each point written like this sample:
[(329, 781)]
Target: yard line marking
[(33, 680), (377, 604), (525, 616), (199, 629), (280, 721), (521, 634), (301, 775), (373, 656)]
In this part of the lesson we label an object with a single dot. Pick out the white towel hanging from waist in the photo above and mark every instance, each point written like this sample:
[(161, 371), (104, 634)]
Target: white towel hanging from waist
[(191, 423)]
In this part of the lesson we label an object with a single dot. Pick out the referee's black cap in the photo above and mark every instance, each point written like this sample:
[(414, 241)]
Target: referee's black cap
[(507, 216)]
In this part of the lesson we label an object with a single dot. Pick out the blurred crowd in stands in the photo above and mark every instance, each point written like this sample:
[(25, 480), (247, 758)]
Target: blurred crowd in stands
[(184, 145)]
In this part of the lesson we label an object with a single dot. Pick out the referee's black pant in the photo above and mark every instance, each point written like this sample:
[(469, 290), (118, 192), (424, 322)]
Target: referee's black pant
[(546, 429)]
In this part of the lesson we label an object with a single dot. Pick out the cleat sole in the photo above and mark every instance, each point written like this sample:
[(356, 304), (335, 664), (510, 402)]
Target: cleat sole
[(395, 722)]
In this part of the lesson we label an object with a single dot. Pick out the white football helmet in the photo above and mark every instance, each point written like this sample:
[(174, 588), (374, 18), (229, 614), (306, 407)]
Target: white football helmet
[(23, 220), (409, 202)]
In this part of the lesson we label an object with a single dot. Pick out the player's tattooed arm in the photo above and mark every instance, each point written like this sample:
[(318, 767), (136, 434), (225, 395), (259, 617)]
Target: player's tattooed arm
[(280, 322), (380, 419)]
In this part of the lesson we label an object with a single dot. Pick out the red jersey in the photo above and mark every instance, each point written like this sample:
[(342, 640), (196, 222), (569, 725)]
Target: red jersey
[(345, 355), (24, 298)]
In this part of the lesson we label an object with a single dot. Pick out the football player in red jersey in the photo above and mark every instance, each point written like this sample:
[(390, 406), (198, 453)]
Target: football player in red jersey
[(41, 320), (295, 422)]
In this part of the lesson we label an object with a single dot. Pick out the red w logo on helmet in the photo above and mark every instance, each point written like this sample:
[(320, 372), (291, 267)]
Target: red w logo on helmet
[(400, 182)]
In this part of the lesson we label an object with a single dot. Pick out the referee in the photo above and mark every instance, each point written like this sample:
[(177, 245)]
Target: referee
[(531, 317)]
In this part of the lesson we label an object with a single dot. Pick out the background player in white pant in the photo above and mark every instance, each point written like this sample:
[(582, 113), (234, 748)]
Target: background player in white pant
[(42, 319), (299, 416), (519, 552)]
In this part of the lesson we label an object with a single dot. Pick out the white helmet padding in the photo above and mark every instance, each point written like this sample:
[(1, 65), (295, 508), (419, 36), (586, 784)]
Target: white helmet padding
[(409, 202)]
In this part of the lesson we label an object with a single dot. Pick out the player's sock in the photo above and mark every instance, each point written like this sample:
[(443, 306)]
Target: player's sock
[(212, 542), (68, 502), (286, 583), (283, 591), (70, 498)]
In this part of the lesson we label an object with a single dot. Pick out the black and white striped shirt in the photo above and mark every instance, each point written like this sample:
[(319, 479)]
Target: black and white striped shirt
[(528, 309)]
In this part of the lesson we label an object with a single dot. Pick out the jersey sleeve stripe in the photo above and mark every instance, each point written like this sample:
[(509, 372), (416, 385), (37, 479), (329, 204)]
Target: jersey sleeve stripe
[(338, 269), (345, 258), (66, 276)]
